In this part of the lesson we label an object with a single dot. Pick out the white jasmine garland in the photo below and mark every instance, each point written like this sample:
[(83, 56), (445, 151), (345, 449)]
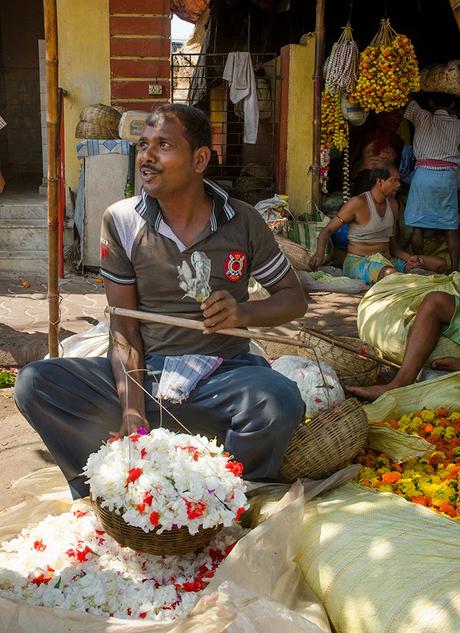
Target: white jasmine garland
[(69, 562), (163, 480)]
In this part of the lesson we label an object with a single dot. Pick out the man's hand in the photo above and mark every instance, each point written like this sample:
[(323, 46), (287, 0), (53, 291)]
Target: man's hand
[(415, 262), (316, 260), (221, 311), (133, 420)]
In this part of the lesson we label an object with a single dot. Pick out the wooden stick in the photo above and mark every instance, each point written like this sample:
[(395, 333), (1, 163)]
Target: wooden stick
[(317, 81), (50, 14), (262, 336)]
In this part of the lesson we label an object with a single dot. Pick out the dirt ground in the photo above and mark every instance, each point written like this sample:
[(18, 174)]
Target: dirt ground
[(21, 449)]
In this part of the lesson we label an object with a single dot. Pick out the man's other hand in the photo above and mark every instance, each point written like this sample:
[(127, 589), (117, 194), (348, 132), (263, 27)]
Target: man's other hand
[(133, 420), (221, 311)]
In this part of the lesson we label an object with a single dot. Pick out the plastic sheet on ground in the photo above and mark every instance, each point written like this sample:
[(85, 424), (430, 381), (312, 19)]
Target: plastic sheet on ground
[(258, 588), (330, 279)]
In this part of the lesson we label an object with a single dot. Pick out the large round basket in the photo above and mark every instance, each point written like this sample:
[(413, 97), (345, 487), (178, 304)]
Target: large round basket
[(329, 442), (351, 369), (169, 543), (298, 256)]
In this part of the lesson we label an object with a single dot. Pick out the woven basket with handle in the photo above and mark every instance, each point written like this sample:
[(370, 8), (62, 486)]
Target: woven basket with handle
[(327, 443), (169, 543), (350, 368)]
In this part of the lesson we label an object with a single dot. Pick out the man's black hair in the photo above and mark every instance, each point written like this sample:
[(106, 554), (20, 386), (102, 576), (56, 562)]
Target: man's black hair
[(197, 128), (380, 173), (442, 100)]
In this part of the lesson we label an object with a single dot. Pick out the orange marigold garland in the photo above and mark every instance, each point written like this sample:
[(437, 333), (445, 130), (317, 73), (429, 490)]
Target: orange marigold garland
[(432, 480), (388, 71)]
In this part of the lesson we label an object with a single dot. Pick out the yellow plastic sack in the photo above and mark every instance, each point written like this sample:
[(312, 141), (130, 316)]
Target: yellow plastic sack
[(431, 394), (381, 564), (387, 310)]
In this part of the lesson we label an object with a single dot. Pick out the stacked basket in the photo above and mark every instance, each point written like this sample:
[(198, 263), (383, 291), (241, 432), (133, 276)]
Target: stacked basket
[(99, 122)]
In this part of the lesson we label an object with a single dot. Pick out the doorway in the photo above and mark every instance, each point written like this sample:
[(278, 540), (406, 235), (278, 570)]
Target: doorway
[(21, 86)]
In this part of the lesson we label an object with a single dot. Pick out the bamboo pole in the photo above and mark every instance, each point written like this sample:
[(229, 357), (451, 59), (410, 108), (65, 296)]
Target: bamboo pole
[(261, 336), (317, 80), (50, 15)]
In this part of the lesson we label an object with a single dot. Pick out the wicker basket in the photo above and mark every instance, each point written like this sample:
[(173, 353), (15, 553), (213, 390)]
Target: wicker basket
[(90, 130), (169, 543), (350, 368), (328, 443), (297, 255), (101, 115)]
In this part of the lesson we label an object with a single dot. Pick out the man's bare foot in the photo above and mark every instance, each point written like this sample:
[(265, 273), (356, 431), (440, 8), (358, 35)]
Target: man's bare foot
[(447, 364), (370, 393)]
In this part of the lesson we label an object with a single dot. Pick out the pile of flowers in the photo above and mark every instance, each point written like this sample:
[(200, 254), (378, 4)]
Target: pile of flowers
[(388, 72), (432, 480), (69, 562), (163, 481)]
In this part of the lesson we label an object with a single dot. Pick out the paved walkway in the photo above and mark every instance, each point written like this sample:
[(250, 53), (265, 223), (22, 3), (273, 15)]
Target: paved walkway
[(24, 314)]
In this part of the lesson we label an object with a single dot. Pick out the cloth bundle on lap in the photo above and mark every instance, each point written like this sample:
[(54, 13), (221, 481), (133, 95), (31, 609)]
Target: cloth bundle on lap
[(182, 373)]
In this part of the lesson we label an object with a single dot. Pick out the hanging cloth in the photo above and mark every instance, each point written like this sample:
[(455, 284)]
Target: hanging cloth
[(239, 73)]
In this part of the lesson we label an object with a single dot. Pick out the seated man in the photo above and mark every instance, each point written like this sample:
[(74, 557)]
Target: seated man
[(373, 251), (75, 403), (439, 313)]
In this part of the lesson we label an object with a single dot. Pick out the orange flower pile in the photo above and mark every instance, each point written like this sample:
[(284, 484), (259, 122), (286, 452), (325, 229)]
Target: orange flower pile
[(388, 72), (432, 480)]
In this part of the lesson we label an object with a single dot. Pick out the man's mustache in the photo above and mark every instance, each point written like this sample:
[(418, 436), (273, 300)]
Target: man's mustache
[(150, 167)]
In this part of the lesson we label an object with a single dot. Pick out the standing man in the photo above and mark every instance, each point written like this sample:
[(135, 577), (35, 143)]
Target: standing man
[(75, 403), (373, 251), (432, 201)]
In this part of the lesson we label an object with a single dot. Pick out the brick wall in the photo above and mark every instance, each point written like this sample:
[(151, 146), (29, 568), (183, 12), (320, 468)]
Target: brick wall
[(140, 41)]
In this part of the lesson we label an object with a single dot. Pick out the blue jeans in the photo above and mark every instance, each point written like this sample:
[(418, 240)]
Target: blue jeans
[(73, 404)]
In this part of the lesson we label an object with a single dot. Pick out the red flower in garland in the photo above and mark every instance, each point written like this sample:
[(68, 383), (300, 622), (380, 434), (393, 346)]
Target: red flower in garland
[(148, 498), (154, 518), (195, 510), (38, 580), (235, 467), (114, 438), (39, 546), (133, 474), (143, 453), (79, 514), (239, 512)]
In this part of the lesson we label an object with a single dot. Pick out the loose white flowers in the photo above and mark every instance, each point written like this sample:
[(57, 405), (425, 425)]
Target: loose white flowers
[(163, 481), (69, 562)]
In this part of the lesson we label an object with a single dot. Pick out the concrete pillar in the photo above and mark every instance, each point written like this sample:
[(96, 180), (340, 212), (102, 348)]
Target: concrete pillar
[(296, 124)]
